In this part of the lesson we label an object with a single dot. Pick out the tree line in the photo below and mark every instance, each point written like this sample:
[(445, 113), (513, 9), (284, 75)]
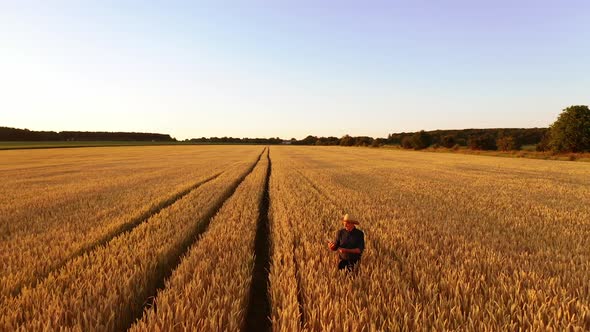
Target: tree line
[(477, 139), (235, 140), (569, 133), (15, 134)]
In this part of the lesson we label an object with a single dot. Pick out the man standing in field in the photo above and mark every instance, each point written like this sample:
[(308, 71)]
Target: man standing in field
[(350, 243)]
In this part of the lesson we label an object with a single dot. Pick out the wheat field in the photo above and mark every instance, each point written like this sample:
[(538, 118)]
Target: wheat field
[(169, 239), (59, 203)]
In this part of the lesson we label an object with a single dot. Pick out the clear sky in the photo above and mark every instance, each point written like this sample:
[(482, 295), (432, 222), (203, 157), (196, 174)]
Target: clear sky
[(289, 69)]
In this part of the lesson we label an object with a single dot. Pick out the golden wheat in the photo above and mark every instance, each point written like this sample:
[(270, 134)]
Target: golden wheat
[(105, 289), (58, 202), (475, 243), (454, 242), (209, 289)]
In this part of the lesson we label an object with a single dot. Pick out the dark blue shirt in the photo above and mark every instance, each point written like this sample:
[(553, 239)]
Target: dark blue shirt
[(350, 240)]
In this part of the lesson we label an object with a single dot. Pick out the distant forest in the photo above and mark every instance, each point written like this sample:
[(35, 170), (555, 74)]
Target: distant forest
[(235, 140), (14, 134), (478, 139)]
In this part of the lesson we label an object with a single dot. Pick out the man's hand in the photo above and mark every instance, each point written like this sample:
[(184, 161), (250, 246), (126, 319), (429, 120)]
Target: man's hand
[(331, 245)]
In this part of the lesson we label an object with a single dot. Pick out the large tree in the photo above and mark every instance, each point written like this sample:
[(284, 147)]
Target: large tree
[(421, 140), (571, 131), (483, 142), (507, 143), (346, 140)]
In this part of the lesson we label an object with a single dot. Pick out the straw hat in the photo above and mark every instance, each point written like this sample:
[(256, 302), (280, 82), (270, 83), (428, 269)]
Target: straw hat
[(350, 219)]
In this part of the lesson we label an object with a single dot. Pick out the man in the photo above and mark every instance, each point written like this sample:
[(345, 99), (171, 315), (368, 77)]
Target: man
[(350, 243)]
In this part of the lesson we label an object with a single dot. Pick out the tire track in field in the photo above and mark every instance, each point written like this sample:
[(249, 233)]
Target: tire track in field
[(158, 281), (123, 228), (258, 310)]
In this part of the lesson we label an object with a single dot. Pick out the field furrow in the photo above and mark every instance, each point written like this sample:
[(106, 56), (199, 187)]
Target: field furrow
[(258, 311), (60, 204), (211, 288), (104, 290)]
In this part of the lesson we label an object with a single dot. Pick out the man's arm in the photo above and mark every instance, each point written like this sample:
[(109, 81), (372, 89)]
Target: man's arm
[(336, 244)]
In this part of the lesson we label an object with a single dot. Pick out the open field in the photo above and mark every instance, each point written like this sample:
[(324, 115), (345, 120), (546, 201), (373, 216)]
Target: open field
[(32, 145), (185, 237), (454, 241), (59, 203), (77, 144)]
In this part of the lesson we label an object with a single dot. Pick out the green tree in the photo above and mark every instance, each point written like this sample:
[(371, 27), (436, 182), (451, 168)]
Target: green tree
[(571, 131), (421, 140), (309, 140), (406, 142), (507, 143), (377, 142), (346, 140), (448, 141), (363, 140), (483, 142), (543, 145)]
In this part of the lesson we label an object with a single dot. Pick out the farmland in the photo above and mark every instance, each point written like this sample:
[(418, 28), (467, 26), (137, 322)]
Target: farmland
[(13, 145), (179, 238)]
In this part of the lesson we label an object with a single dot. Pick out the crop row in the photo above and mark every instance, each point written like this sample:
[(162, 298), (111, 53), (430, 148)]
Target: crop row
[(210, 288), (58, 204), (106, 289), (477, 245), (307, 291), (453, 243)]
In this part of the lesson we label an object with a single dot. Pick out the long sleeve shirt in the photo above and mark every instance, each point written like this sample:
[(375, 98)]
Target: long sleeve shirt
[(350, 240)]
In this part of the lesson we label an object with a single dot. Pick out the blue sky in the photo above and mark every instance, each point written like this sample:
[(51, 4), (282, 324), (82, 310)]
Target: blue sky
[(289, 69)]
